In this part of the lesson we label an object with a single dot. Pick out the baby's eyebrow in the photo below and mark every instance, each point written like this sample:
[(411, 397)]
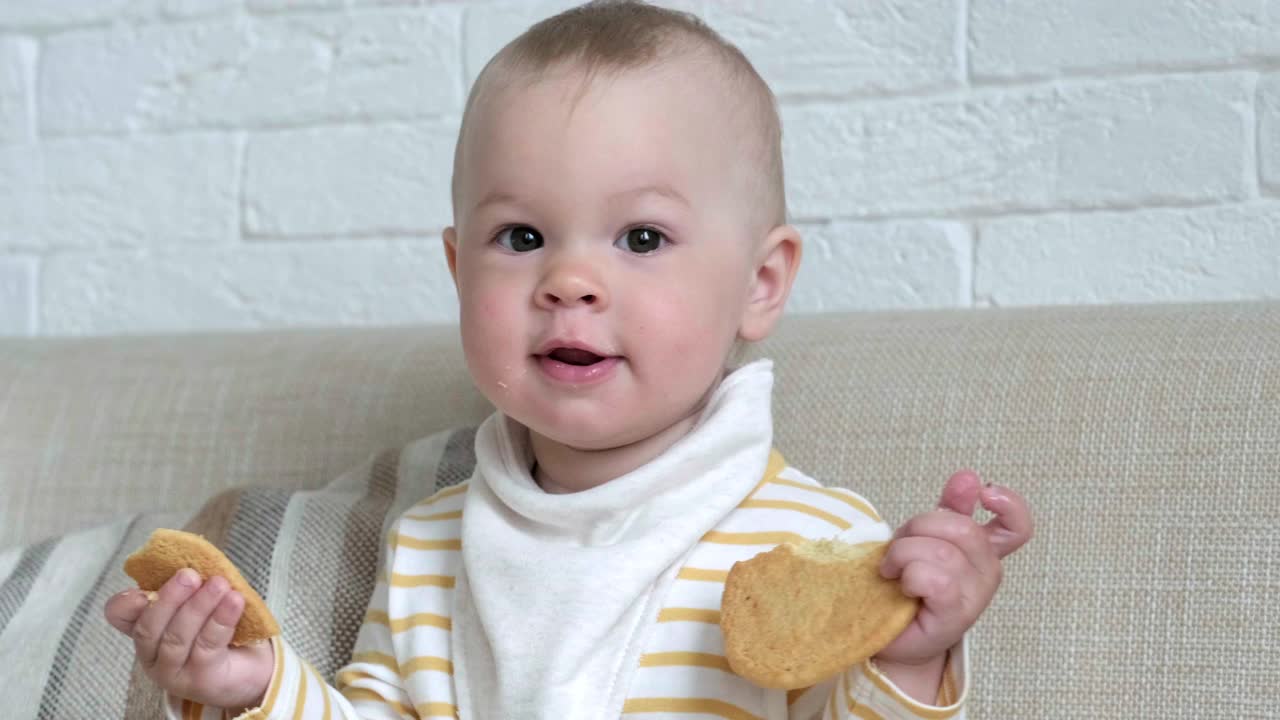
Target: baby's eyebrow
[(495, 197), (661, 189)]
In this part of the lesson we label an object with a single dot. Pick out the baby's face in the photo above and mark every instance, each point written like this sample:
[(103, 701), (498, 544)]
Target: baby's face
[(602, 251)]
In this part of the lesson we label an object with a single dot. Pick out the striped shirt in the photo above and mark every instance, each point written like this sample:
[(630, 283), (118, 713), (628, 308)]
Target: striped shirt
[(402, 668)]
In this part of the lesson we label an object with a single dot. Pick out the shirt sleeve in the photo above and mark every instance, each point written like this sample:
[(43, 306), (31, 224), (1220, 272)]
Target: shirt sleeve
[(864, 688), (864, 692), (370, 685)]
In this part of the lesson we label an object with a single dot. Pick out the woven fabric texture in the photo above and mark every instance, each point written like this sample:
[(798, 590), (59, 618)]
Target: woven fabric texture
[(92, 429), (1148, 442), (1146, 437)]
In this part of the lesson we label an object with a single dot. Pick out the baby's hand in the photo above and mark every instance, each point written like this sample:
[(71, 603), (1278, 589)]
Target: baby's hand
[(952, 564), (182, 641)]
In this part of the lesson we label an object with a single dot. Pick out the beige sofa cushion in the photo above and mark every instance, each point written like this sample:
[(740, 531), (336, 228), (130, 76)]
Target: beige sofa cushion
[(92, 429), (1146, 438), (1148, 441)]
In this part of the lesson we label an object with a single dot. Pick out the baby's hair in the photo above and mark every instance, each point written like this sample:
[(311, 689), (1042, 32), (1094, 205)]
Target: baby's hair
[(619, 35)]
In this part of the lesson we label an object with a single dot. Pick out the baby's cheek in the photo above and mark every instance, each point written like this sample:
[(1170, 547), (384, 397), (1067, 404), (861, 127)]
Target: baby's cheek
[(698, 327), (487, 306), (486, 318)]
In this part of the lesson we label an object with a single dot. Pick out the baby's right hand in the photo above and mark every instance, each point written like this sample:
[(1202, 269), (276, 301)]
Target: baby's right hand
[(182, 641)]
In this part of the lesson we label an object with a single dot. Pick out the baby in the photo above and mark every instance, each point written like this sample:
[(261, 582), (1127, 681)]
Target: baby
[(619, 228)]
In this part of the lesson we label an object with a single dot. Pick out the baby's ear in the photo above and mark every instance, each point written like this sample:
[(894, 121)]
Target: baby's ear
[(451, 252), (775, 271)]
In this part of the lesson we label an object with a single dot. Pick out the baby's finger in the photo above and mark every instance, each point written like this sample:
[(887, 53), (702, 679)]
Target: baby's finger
[(123, 609), (929, 582), (959, 531), (188, 622), (1012, 525), (960, 493), (150, 628), (218, 630), (905, 551)]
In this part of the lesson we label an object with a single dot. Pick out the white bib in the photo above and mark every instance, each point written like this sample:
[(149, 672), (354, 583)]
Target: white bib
[(556, 593)]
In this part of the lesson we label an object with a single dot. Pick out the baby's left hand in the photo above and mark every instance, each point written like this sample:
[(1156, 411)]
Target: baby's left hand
[(952, 564)]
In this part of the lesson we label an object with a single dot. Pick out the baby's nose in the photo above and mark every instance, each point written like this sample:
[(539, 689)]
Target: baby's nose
[(572, 286), (571, 296)]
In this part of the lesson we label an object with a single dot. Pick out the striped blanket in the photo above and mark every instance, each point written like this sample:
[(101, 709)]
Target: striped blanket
[(313, 555)]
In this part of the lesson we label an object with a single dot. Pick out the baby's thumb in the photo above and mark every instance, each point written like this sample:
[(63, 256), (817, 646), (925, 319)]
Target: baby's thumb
[(960, 494), (123, 609)]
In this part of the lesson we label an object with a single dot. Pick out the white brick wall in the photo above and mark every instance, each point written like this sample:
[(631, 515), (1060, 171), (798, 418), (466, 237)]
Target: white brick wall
[(110, 192), (350, 180), (1269, 132), (1211, 253), (17, 106), (1073, 144), (186, 165)]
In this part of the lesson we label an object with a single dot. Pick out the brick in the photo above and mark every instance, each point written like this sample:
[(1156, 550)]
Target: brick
[(261, 286), (1074, 145), (18, 296), (342, 181), (1269, 132), (113, 192), (289, 5), (1039, 38), (846, 47), (70, 13), (862, 266), (263, 71), (489, 26), (1154, 255), (17, 68)]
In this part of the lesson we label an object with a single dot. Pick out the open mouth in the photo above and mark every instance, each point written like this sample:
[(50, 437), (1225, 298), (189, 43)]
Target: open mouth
[(574, 356), (577, 366)]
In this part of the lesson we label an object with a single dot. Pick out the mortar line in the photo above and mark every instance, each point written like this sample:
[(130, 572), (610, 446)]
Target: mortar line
[(973, 229), (33, 92), (1253, 139), (1262, 191)]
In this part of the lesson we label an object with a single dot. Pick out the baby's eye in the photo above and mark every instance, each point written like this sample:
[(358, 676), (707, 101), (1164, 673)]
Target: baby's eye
[(520, 238), (642, 240)]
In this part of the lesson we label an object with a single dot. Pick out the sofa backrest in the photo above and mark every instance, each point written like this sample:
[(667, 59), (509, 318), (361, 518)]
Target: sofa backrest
[(1146, 437)]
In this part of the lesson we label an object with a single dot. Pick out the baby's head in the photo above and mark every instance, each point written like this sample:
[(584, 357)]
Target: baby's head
[(619, 222)]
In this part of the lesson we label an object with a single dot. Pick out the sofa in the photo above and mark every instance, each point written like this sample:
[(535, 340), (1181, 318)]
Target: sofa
[(1146, 437)]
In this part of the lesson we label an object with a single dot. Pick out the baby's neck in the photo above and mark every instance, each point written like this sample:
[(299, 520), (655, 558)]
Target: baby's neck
[(562, 469)]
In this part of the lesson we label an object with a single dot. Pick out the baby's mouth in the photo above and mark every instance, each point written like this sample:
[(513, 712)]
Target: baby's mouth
[(576, 364), (574, 356)]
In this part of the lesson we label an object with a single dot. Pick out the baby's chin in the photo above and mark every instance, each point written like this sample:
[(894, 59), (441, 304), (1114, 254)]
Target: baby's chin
[(599, 423), (587, 439), (614, 432)]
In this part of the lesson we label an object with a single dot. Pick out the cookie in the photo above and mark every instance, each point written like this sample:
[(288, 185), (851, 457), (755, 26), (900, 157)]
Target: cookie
[(168, 551), (801, 613)]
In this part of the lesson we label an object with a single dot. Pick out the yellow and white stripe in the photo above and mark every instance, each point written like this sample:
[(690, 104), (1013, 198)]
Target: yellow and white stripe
[(402, 666)]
